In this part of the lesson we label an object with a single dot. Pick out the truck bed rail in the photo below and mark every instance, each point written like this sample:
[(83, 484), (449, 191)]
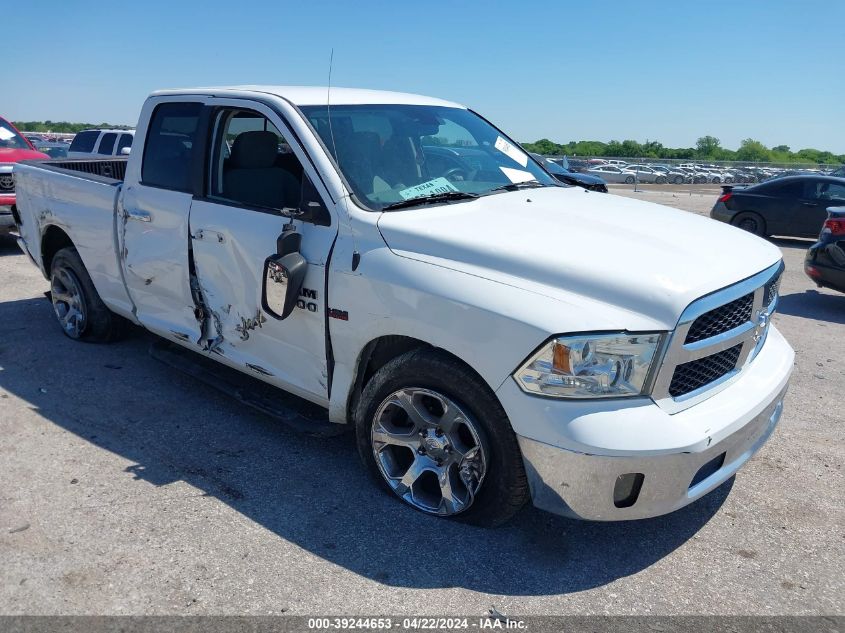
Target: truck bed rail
[(114, 168)]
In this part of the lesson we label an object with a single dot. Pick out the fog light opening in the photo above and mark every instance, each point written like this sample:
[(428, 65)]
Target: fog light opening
[(627, 489), (708, 469)]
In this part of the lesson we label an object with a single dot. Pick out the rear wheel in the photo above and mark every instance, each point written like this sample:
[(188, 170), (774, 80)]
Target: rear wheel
[(629, 180), (679, 180), (435, 435), (751, 222), (661, 180), (81, 313)]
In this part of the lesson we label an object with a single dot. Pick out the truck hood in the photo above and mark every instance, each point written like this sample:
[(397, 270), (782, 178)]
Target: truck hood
[(641, 257), (8, 155)]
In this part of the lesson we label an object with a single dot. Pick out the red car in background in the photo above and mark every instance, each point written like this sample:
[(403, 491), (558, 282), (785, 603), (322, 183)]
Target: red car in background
[(14, 147)]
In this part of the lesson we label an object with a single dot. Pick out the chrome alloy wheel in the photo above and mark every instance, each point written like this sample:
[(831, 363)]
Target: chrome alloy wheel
[(429, 451), (68, 302)]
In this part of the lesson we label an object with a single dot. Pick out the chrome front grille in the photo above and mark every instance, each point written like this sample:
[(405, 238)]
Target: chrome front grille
[(770, 290), (722, 319), (716, 337), (7, 181), (698, 373)]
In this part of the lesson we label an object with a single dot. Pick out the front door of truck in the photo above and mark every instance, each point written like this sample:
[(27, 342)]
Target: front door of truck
[(153, 216), (255, 184)]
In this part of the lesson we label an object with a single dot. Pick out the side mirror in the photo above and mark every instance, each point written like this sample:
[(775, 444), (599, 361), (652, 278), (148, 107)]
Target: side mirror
[(125, 151), (283, 279)]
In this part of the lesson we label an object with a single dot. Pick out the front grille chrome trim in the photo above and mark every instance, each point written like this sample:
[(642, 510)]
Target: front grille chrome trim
[(750, 335)]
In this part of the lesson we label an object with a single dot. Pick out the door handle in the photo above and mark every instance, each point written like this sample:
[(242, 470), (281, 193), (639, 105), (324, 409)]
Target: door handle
[(140, 216), (202, 234)]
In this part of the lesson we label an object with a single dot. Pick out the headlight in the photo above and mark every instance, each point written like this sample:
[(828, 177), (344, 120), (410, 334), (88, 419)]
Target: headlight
[(591, 366)]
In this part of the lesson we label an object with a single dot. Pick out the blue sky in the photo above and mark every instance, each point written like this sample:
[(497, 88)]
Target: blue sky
[(565, 70)]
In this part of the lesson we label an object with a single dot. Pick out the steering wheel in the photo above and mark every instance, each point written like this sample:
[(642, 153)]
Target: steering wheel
[(456, 173)]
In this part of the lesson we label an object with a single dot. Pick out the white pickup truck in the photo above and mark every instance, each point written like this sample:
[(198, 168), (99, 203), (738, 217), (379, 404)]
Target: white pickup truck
[(492, 335)]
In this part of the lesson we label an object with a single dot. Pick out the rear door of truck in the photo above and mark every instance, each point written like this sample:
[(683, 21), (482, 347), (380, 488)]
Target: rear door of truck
[(154, 211)]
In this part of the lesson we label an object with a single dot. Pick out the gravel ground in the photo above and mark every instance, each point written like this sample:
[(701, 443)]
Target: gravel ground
[(126, 488)]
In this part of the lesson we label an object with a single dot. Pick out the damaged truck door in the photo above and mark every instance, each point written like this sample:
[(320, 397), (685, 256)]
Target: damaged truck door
[(153, 208), (260, 215)]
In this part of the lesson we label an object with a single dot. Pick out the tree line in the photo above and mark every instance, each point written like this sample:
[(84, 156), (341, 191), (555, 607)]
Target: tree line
[(707, 148), (64, 127)]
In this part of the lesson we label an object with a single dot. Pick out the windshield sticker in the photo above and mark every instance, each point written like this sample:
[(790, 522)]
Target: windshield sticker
[(517, 175), (514, 153), (5, 134), (438, 185)]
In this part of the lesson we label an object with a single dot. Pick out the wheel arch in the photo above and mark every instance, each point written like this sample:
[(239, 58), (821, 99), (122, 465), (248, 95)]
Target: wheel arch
[(53, 239), (380, 351)]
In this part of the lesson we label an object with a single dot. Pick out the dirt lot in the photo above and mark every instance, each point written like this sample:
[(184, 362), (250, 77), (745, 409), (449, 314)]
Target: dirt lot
[(126, 488)]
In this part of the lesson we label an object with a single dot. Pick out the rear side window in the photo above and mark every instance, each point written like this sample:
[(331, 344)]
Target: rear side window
[(84, 142), (125, 141), (107, 143), (167, 152), (792, 189)]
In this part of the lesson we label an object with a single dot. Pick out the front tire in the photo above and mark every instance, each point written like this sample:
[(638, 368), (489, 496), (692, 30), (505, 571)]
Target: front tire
[(81, 313), (433, 433), (629, 180)]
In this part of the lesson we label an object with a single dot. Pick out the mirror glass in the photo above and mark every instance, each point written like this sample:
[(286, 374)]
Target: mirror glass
[(275, 288)]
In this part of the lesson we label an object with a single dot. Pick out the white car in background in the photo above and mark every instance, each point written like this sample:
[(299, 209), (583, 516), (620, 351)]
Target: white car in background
[(647, 174), (612, 173), (101, 143)]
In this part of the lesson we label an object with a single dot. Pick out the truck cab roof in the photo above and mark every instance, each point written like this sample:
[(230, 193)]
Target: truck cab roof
[(316, 95)]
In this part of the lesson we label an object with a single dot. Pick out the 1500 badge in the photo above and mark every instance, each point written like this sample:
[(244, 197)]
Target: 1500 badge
[(305, 294)]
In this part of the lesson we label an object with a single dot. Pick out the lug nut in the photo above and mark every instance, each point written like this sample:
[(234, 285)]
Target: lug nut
[(439, 432), (421, 451)]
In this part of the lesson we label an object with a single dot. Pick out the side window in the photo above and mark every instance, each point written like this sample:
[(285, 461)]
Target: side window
[(107, 143), (125, 141), (167, 153), (84, 141), (836, 191), (793, 189), (825, 190), (252, 163)]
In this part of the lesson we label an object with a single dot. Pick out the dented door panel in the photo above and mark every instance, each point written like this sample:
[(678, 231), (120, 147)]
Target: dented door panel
[(229, 246), (155, 259)]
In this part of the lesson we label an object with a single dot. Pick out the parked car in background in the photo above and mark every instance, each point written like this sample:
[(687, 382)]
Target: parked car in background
[(101, 143), (839, 173), (612, 173), (578, 165), (673, 175), (14, 147), (647, 174), (792, 205), (588, 181), (825, 261), (53, 149)]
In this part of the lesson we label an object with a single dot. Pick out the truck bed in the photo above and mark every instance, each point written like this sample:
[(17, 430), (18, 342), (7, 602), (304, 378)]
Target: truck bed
[(77, 198)]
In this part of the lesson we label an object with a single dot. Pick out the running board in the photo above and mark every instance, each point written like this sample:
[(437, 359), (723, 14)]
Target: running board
[(297, 413)]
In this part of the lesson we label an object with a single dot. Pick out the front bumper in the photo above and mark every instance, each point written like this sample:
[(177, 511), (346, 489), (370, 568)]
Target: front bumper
[(7, 220), (825, 264), (576, 453)]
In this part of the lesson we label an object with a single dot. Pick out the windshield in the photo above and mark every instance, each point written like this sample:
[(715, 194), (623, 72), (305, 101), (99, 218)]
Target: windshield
[(393, 153), (10, 138)]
